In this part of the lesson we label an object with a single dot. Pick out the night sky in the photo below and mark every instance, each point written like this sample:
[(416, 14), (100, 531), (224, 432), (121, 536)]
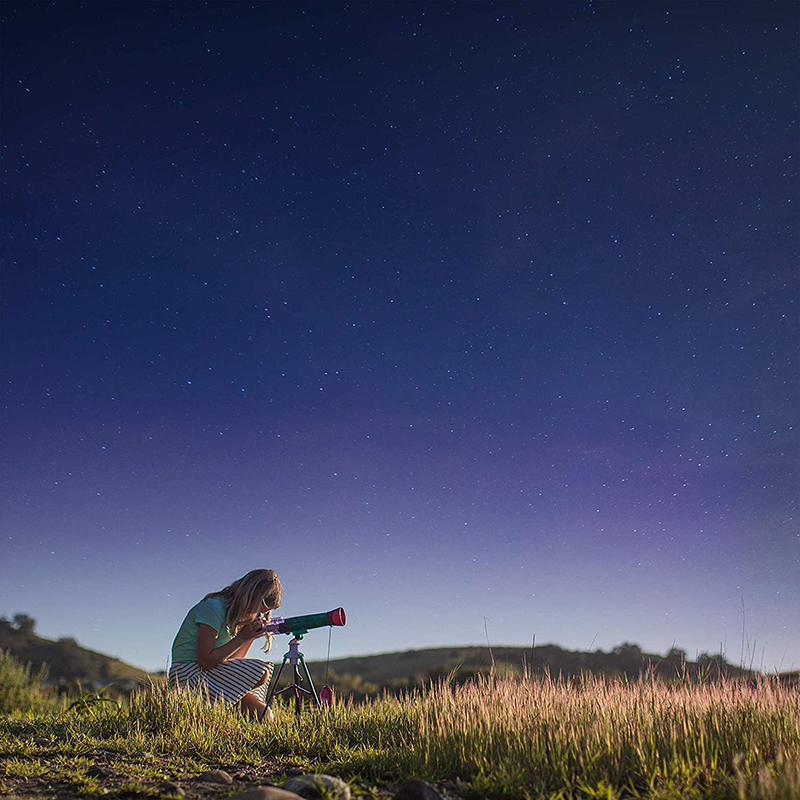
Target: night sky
[(469, 317)]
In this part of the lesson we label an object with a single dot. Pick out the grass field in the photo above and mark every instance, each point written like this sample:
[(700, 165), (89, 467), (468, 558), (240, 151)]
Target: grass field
[(492, 738)]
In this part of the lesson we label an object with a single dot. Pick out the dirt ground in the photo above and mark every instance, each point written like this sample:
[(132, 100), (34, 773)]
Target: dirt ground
[(110, 775)]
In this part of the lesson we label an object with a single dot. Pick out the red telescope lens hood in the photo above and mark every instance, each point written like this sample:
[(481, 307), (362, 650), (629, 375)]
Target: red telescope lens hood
[(337, 617)]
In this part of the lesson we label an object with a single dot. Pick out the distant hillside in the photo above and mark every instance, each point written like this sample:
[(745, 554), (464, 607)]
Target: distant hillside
[(361, 676), (402, 670), (66, 660)]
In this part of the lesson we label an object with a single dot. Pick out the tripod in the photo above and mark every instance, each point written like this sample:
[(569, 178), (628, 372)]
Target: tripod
[(297, 660)]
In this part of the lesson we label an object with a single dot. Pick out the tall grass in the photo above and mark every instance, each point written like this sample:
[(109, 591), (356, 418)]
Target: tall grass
[(495, 738), (595, 736), (21, 688)]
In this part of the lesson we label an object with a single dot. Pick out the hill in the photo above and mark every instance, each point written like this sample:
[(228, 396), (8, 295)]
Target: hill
[(403, 670), (67, 662), (360, 676)]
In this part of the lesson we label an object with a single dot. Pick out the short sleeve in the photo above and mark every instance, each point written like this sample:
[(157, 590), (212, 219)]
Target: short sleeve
[(212, 613)]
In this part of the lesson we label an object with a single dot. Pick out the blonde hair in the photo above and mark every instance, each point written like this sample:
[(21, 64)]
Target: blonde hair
[(257, 591)]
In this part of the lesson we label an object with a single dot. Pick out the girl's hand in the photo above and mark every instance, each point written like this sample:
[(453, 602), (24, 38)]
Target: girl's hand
[(252, 630)]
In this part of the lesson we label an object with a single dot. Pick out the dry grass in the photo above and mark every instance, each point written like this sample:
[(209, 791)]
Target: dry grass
[(601, 738), (495, 738)]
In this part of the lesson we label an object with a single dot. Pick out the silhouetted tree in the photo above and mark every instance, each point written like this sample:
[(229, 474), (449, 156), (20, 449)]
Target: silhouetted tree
[(627, 649), (23, 623)]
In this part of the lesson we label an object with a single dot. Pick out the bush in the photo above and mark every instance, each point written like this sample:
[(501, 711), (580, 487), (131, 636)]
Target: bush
[(20, 689)]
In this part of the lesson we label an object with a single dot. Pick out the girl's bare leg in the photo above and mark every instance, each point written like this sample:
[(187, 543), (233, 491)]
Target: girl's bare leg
[(254, 709)]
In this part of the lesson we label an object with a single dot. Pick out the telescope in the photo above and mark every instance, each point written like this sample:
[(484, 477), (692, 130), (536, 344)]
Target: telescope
[(298, 627), (303, 624)]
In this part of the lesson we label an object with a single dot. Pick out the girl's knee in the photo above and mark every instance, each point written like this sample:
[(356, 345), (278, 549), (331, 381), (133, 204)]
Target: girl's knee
[(265, 679)]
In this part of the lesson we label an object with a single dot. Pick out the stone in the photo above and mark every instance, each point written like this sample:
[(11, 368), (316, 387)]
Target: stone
[(216, 776), (417, 790), (316, 786), (102, 772), (41, 741), (170, 787), (264, 793)]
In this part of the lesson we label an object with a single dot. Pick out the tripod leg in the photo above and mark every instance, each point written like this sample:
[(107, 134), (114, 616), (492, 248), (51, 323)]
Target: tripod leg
[(298, 703), (275, 682), (311, 684)]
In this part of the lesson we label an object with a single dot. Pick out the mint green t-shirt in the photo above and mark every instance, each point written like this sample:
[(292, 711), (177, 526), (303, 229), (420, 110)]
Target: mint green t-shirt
[(212, 612)]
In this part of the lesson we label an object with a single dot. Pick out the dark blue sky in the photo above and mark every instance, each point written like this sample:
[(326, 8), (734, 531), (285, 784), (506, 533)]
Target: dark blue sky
[(444, 311)]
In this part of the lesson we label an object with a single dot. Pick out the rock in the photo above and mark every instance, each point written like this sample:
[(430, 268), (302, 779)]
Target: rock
[(264, 793), (102, 772), (294, 771), (142, 754), (417, 790), (170, 787), (41, 741), (216, 776), (315, 786)]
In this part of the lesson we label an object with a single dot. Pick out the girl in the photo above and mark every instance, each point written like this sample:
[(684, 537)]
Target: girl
[(209, 652)]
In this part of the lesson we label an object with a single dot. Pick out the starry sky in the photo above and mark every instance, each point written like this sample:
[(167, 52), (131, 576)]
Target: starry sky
[(477, 319)]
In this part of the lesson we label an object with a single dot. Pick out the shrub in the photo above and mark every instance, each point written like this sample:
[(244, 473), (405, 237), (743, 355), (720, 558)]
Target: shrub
[(20, 688)]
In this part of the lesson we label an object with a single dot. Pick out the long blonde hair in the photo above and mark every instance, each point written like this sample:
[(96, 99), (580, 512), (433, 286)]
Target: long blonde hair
[(256, 592)]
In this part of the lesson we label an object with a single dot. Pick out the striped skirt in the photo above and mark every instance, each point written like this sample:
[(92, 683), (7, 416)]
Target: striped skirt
[(228, 682)]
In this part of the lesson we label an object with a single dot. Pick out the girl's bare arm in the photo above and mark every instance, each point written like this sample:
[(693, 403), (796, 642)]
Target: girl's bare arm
[(242, 651), (209, 656)]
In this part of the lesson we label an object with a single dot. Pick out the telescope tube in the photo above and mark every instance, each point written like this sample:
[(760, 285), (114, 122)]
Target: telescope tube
[(304, 623)]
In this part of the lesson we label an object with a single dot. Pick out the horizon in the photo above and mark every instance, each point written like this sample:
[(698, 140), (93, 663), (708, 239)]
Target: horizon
[(747, 652), (466, 317)]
